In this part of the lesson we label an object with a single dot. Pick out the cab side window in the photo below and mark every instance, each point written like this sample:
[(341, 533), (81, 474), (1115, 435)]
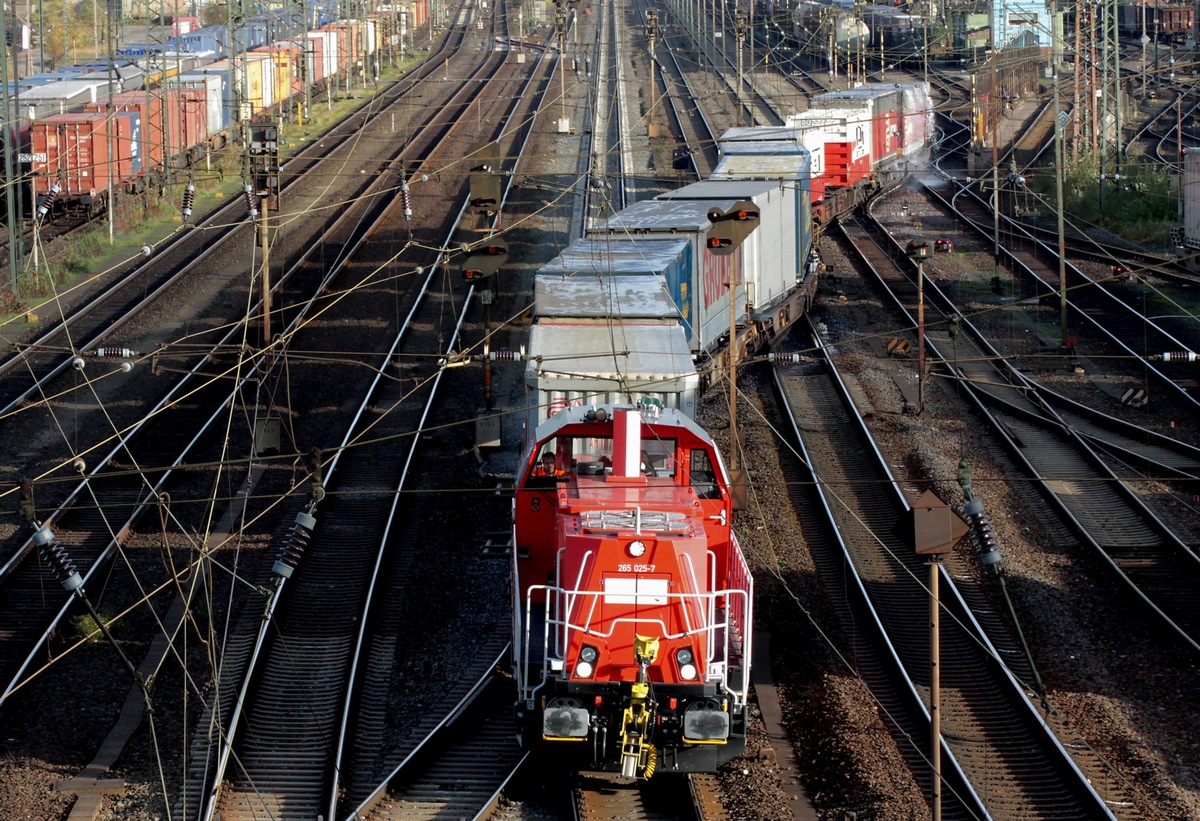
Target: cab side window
[(702, 476)]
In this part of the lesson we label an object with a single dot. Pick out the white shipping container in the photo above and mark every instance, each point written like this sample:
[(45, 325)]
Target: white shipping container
[(773, 255), (371, 35), (263, 69), (212, 85), (847, 125), (328, 54), (771, 152), (1191, 201)]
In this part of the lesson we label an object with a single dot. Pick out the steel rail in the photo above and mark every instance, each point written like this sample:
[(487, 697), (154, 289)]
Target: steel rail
[(510, 124), (181, 391), (987, 720), (1167, 340), (330, 696), (1142, 556), (226, 221), (883, 654), (697, 141)]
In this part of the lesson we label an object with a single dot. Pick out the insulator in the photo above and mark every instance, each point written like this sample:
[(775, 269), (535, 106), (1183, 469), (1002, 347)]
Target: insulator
[(251, 200), (1179, 356), (189, 199), (113, 353), (985, 534), (504, 356), (78, 363), (56, 556), (293, 547), (787, 358), (147, 250), (406, 200), (49, 200)]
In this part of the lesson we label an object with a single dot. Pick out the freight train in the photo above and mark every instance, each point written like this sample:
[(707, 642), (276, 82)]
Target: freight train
[(853, 28), (633, 603), (1157, 20), (91, 130)]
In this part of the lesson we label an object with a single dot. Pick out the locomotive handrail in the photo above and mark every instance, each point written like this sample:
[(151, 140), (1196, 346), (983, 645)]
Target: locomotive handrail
[(564, 627)]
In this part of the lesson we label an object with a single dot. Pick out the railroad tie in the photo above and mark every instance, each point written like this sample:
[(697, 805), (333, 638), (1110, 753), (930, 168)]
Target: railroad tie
[(89, 794)]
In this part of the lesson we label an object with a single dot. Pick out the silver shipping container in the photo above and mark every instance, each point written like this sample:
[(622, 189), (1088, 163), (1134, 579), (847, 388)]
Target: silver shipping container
[(62, 97), (598, 277), (214, 102), (700, 289), (605, 363)]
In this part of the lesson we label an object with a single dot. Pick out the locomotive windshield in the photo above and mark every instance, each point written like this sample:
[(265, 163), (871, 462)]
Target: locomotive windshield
[(592, 456)]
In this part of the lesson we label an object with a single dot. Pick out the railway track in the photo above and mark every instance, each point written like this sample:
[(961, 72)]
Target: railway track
[(324, 662), (660, 799), (76, 332), (1156, 564), (1105, 308), (136, 470), (693, 131), (473, 748), (999, 759)]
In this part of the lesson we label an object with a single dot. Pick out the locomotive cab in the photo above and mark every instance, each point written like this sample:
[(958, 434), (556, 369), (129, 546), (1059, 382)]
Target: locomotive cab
[(633, 600)]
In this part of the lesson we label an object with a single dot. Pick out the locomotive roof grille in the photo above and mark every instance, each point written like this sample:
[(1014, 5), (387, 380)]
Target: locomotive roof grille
[(637, 520)]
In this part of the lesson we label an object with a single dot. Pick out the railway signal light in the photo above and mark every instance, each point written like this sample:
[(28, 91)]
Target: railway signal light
[(485, 183), (730, 228), (484, 260)]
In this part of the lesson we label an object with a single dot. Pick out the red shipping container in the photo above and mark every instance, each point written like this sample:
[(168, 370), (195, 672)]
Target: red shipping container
[(420, 9), (193, 115), (842, 168), (316, 60), (151, 108), (72, 150)]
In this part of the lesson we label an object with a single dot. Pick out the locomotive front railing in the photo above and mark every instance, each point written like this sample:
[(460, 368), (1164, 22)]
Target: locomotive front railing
[(731, 611)]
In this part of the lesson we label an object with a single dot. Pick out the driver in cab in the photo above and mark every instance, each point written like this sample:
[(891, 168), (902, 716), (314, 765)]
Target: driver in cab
[(547, 467)]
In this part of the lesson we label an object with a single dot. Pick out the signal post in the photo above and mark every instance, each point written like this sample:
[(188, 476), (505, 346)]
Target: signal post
[(480, 262), (728, 231), (263, 153)]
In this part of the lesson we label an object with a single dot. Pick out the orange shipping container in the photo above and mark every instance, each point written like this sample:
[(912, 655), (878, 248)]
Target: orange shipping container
[(72, 150)]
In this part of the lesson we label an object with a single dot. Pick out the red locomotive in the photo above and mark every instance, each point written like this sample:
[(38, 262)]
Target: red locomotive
[(633, 602)]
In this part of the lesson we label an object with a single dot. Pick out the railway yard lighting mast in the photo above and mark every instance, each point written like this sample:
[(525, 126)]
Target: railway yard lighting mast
[(560, 31), (739, 30), (11, 192), (1060, 121)]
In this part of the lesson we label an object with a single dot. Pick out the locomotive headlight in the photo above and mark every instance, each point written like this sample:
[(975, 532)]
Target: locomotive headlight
[(687, 665), (585, 667), (636, 548)]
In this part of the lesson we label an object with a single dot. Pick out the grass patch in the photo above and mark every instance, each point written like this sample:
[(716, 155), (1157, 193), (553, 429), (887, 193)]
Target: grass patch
[(1140, 207), (85, 628), (147, 220)]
